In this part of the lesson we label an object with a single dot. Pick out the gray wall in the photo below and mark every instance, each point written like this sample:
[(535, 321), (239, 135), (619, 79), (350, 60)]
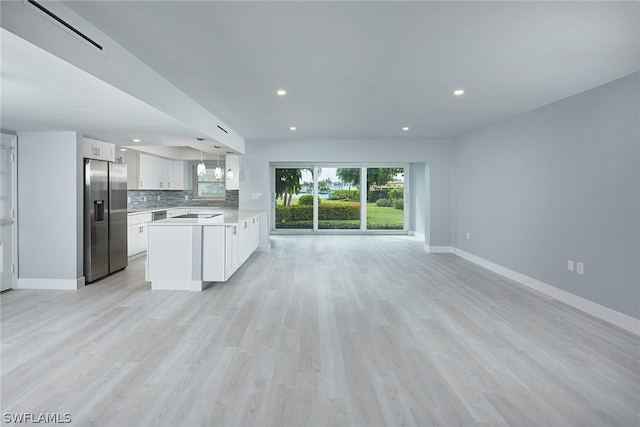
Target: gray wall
[(559, 183), (50, 227), (254, 176)]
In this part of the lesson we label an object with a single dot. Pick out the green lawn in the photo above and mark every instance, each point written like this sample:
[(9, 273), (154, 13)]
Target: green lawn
[(381, 218)]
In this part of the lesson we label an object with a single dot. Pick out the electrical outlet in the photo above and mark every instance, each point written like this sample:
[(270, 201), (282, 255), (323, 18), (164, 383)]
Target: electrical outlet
[(144, 198), (158, 197), (468, 236), (570, 265), (128, 199), (186, 197), (580, 268)]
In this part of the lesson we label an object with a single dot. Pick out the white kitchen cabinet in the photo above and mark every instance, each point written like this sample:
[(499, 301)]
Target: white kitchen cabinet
[(232, 260), (155, 173), (219, 253), (99, 150), (130, 158), (187, 255), (214, 267), (249, 237), (146, 172), (162, 172), (178, 175), (137, 232), (225, 249), (232, 162)]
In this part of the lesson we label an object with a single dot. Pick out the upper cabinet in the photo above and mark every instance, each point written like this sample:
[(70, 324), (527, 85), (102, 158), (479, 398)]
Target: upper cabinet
[(99, 150), (232, 162), (155, 173), (179, 175)]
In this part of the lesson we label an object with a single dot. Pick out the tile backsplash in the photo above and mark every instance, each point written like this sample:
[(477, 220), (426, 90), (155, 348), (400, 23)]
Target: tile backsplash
[(149, 199)]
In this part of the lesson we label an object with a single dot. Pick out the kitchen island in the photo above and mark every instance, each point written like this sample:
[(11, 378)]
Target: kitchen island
[(190, 252)]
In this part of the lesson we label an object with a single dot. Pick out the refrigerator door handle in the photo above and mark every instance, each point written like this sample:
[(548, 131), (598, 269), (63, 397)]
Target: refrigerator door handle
[(98, 210)]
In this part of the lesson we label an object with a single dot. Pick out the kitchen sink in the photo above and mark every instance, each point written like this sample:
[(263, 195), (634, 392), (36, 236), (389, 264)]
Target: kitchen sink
[(199, 216)]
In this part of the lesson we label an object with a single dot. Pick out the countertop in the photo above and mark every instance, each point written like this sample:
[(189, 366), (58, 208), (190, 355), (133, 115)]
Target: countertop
[(142, 211), (228, 217)]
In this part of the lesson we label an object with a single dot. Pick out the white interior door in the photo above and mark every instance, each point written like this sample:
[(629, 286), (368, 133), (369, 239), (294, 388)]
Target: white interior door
[(7, 212)]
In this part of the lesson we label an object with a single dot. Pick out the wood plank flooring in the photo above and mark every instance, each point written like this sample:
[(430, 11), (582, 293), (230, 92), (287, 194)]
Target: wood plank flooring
[(324, 331)]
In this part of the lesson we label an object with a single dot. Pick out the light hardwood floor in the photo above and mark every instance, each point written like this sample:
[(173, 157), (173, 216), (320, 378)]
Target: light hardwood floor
[(321, 330)]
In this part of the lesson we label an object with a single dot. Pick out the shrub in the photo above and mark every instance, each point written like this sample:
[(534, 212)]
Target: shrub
[(294, 213), (399, 204), (374, 195), (384, 203), (297, 213), (306, 200), (396, 193), (342, 211), (345, 195)]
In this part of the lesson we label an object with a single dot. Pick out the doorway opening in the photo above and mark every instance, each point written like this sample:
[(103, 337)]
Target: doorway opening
[(8, 229)]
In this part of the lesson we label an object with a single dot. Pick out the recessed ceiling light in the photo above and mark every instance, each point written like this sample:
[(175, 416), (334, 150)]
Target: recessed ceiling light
[(123, 149), (405, 128), (458, 92), (135, 140), (292, 128), (281, 92)]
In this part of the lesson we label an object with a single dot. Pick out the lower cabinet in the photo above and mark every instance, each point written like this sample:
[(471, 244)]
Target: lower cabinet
[(249, 237), (219, 253), (136, 239), (137, 233), (225, 249)]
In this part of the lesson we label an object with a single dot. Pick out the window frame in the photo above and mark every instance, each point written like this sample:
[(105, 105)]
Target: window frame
[(196, 183), (363, 197)]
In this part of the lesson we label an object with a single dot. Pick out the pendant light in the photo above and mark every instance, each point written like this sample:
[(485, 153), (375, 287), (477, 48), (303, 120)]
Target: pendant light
[(202, 169), (229, 171), (217, 172)]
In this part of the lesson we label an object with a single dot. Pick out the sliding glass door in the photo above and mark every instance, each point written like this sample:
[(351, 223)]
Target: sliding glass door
[(385, 199), (294, 198), (338, 198)]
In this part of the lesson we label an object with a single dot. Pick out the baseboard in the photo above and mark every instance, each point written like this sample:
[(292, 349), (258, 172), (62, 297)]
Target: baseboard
[(54, 284), (416, 235), (438, 249), (137, 255), (621, 320)]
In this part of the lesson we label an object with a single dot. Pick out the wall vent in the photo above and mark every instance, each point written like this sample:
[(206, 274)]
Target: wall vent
[(223, 130), (64, 24)]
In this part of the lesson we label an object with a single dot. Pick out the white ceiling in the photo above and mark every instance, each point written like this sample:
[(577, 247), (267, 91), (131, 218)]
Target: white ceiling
[(40, 92), (352, 69)]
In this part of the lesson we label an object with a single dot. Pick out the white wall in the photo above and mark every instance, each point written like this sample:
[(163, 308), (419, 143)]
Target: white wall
[(255, 177), (556, 184), (50, 225)]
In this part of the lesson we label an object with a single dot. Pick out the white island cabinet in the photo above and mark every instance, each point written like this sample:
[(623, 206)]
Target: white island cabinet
[(189, 253)]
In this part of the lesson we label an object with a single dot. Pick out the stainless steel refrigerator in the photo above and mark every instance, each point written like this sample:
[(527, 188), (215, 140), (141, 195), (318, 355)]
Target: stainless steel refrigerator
[(105, 218)]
